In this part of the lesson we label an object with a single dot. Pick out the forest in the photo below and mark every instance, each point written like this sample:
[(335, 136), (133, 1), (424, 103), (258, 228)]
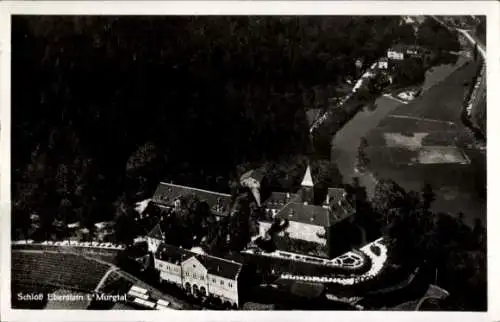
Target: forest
[(103, 108), (454, 252)]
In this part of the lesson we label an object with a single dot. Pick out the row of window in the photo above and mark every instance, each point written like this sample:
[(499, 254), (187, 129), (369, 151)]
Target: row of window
[(195, 276), (222, 282), (168, 267), (201, 277), (190, 274)]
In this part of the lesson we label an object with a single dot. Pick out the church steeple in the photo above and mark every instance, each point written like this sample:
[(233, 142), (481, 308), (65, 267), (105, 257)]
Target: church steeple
[(307, 186), (307, 181)]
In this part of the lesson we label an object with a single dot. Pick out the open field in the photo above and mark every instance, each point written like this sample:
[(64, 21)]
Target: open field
[(426, 142)]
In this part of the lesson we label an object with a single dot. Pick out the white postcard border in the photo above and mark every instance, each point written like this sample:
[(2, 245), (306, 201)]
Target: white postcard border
[(489, 8)]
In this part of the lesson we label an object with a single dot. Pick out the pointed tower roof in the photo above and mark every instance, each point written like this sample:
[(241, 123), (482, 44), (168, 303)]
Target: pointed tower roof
[(307, 181)]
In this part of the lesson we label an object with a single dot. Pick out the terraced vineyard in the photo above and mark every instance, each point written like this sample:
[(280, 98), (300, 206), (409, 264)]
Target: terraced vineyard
[(65, 270)]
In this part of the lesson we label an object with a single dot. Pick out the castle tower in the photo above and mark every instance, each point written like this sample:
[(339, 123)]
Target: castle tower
[(307, 187)]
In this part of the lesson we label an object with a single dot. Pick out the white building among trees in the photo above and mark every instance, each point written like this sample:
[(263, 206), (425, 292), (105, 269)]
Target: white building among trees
[(200, 275)]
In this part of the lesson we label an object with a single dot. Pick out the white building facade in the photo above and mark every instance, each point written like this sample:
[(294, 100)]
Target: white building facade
[(169, 272), (395, 55), (311, 233), (200, 275), (194, 276)]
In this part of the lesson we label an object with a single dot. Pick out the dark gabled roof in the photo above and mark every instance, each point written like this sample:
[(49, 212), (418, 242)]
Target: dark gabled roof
[(167, 193), (339, 213), (278, 200), (256, 174), (340, 207), (220, 267), (398, 47), (336, 194), (404, 48), (156, 232), (172, 254), (214, 265), (306, 213)]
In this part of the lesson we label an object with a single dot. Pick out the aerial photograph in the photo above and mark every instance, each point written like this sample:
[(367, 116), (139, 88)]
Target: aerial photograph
[(248, 162)]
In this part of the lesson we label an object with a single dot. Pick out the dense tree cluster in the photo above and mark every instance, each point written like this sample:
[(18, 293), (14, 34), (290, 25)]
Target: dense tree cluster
[(107, 106), (409, 72), (417, 236), (362, 160), (480, 30), (435, 43), (433, 35)]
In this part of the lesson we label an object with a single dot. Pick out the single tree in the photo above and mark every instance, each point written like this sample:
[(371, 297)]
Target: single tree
[(388, 196)]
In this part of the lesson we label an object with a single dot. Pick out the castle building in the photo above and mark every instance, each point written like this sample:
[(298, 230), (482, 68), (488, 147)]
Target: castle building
[(309, 229)]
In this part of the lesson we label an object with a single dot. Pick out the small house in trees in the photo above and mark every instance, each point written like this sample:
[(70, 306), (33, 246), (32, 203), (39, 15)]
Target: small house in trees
[(104, 225), (383, 64), (401, 51), (105, 230), (74, 225), (252, 180), (154, 238)]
